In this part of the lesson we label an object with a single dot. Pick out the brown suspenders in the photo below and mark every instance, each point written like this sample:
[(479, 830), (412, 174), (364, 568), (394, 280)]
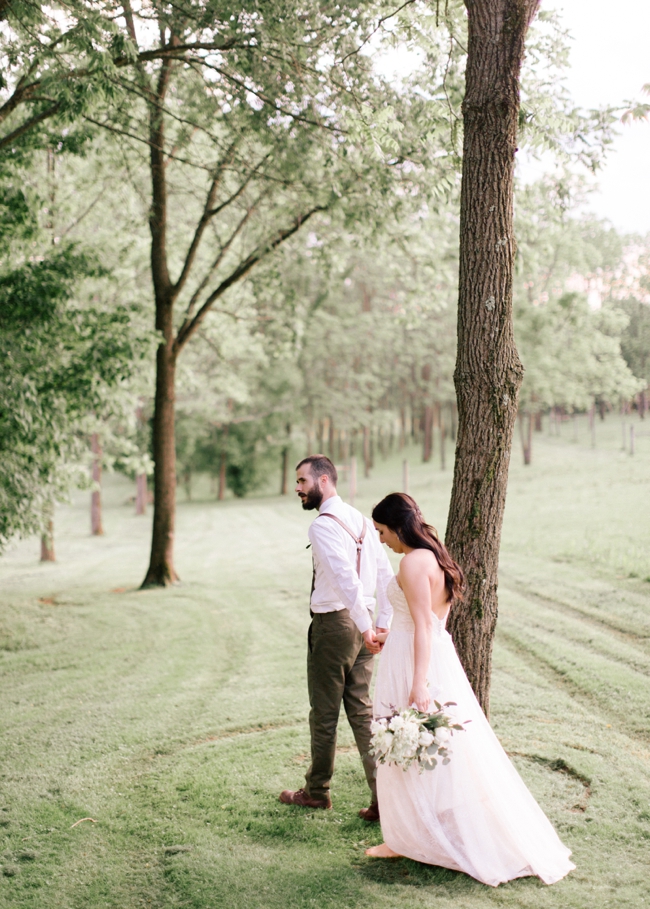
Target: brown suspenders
[(357, 539)]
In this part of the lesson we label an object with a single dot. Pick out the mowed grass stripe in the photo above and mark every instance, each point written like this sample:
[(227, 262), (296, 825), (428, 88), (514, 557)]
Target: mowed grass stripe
[(535, 612), (621, 694), (621, 610)]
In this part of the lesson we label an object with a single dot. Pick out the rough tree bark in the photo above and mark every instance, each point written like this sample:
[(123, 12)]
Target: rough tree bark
[(488, 371)]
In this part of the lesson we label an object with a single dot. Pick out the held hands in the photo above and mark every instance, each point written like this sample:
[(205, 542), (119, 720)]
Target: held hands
[(381, 634), (371, 642), (419, 697)]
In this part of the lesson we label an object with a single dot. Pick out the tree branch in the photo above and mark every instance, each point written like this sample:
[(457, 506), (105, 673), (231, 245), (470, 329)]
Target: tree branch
[(29, 124), (21, 94), (127, 135), (170, 50), (87, 211), (208, 212), (274, 104), (241, 271), (222, 252), (376, 29)]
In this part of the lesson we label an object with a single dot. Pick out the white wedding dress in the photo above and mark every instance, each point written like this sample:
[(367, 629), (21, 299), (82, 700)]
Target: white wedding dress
[(474, 814)]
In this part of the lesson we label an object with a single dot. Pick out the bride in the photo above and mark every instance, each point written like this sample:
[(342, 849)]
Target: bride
[(475, 813)]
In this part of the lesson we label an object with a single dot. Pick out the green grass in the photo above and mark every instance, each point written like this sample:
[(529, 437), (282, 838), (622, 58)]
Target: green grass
[(174, 718)]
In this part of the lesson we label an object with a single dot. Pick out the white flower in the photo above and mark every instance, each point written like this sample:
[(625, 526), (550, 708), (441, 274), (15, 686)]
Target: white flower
[(442, 735), (425, 739)]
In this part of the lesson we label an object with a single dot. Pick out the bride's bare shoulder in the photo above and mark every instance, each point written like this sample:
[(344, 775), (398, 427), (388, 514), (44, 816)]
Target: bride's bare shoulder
[(417, 560)]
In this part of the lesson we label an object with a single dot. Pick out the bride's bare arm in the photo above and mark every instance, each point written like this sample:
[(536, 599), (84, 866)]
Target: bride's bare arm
[(414, 577)]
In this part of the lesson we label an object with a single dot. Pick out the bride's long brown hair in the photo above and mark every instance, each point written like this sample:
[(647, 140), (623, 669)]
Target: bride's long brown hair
[(400, 512)]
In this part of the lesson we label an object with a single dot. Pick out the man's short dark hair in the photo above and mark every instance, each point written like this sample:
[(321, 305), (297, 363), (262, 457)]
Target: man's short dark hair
[(320, 464)]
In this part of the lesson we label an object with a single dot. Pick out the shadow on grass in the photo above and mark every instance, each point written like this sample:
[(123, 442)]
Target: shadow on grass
[(414, 874)]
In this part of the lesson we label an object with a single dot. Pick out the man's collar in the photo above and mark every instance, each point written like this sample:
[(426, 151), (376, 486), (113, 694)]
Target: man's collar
[(325, 506)]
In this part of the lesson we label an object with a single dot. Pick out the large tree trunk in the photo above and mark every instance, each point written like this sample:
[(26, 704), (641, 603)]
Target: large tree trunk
[(96, 527), (161, 570), (488, 370)]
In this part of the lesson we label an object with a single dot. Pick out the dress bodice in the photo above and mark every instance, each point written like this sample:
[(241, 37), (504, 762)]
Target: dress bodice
[(402, 620)]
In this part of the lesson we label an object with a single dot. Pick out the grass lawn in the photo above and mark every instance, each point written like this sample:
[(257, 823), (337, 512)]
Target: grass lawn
[(174, 718)]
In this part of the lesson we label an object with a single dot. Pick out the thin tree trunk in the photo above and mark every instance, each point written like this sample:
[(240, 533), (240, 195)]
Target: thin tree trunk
[(187, 483), (96, 528), (141, 493), (366, 451), (488, 370), (223, 463), (284, 479), (286, 451), (352, 480), (454, 421), (161, 570), (141, 478), (538, 421), (427, 441), (443, 435), (47, 535), (526, 435)]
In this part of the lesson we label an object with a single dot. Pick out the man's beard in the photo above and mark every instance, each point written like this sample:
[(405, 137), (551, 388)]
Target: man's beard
[(312, 499)]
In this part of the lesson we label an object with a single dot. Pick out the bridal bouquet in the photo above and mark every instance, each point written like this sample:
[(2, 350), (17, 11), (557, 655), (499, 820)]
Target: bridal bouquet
[(411, 737)]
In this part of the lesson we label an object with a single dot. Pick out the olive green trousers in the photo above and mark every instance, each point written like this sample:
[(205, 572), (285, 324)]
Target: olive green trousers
[(339, 669)]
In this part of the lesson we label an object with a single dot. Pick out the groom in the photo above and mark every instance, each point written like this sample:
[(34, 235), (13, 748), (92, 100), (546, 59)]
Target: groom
[(349, 564)]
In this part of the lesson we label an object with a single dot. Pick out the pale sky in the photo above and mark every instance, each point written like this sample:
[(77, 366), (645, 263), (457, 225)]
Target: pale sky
[(610, 62)]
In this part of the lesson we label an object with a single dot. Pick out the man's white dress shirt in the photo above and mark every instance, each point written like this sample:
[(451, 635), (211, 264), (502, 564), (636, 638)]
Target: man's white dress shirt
[(337, 584)]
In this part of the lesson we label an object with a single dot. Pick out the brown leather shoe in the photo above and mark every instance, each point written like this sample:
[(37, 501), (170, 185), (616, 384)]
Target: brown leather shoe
[(300, 797), (370, 814)]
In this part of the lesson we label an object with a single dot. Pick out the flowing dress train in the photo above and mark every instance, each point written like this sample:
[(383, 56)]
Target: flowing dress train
[(475, 813)]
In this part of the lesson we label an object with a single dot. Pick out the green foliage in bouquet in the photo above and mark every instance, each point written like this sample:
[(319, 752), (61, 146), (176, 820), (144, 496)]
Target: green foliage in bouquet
[(413, 737)]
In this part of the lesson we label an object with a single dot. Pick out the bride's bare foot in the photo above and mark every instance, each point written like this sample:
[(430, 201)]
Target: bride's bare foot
[(382, 851)]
